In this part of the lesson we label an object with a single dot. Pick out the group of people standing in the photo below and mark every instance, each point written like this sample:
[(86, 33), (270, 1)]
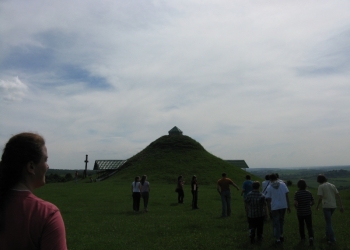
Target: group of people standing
[(194, 190), (140, 189), (273, 202)]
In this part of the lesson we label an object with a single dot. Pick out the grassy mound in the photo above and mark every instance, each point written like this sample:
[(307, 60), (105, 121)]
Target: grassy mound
[(170, 156)]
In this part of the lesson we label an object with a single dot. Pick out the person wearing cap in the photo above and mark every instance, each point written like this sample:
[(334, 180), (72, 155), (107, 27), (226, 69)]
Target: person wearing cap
[(194, 190), (223, 188)]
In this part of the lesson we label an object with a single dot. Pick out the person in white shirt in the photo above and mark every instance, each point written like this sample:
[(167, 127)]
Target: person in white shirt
[(327, 194), (136, 194), (277, 197)]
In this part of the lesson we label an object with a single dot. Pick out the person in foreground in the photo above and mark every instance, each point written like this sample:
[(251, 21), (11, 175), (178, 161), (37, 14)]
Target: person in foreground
[(327, 194), (223, 188), (27, 222), (256, 205), (277, 196), (303, 201)]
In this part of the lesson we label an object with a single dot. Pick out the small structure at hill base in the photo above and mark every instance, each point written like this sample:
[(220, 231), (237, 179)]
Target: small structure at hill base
[(107, 168), (238, 163), (175, 131)]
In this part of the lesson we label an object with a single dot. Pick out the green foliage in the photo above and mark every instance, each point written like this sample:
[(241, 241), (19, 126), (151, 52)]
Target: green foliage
[(68, 177), (289, 183)]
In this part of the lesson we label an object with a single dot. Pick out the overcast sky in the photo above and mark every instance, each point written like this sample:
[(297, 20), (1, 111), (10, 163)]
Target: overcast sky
[(263, 81)]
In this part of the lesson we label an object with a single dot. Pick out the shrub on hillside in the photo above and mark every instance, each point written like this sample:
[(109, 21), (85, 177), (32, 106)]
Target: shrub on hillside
[(68, 177), (289, 183)]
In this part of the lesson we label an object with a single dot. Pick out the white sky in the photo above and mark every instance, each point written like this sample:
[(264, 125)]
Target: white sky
[(263, 81)]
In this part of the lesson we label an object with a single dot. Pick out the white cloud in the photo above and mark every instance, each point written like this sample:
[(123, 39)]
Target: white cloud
[(248, 80), (12, 90)]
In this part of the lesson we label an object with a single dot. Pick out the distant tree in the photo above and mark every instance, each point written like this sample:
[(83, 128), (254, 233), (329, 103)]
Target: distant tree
[(68, 177), (289, 183)]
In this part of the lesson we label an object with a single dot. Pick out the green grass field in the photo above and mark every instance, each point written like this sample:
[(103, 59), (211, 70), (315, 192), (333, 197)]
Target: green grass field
[(99, 216)]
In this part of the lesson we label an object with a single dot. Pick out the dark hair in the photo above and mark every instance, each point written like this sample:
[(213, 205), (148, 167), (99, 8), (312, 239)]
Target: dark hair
[(223, 174), (273, 177), (137, 177), (18, 152), (178, 178), (267, 177), (277, 175), (143, 179), (302, 184), (194, 181), (321, 178), (256, 185), (247, 177)]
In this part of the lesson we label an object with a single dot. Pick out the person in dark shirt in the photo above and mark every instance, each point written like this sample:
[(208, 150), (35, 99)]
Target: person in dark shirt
[(303, 201), (256, 212)]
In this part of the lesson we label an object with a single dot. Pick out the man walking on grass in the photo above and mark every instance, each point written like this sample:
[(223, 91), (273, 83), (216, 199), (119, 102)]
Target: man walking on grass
[(277, 196), (223, 188), (327, 194)]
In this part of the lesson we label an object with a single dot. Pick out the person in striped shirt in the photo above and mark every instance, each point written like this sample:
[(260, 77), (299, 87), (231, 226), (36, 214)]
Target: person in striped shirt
[(256, 204), (303, 201)]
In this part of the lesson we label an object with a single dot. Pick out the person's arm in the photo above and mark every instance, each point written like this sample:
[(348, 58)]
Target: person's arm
[(287, 198), (312, 202), (296, 204), (319, 201), (54, 234), (219, 189), (268, 200), (234, 184), (340, 202)]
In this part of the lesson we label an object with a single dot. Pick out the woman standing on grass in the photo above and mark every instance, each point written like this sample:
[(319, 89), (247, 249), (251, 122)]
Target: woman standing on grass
[(136, 194), (27, 222), (145, 189), (180, 189), (194, 190)]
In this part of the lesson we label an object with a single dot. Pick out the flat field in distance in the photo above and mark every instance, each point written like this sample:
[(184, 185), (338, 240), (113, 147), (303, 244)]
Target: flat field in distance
[(99, 215), (337, 175)]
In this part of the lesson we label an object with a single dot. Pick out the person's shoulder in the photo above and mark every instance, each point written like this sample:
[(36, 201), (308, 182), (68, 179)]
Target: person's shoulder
[(42, 204)]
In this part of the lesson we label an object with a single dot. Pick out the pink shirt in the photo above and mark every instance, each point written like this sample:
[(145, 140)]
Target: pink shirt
[(32, 223)]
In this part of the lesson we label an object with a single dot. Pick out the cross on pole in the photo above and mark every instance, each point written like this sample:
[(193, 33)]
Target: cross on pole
[(86, 162)]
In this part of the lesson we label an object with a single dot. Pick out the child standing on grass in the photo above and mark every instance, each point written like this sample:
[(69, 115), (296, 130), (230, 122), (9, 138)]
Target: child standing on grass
[(256, 203), (303, 201)]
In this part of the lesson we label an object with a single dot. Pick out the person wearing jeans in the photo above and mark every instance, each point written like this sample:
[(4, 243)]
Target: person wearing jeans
[(327, 194), (277, 197), (303, 201), (223, 188)]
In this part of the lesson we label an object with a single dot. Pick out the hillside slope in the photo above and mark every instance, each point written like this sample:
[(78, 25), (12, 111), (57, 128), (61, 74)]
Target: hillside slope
[(170, 156)]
